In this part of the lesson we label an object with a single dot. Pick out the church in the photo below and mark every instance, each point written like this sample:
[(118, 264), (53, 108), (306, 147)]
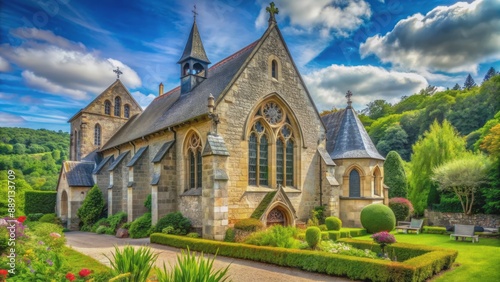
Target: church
[(241, 138)]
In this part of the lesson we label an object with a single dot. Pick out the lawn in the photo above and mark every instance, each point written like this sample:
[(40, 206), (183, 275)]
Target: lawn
[(475, 262), (78, 261)]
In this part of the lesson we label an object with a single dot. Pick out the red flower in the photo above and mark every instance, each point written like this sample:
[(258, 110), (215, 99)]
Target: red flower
[(21, 219), (70, 276), (84, 272), (3, 272)]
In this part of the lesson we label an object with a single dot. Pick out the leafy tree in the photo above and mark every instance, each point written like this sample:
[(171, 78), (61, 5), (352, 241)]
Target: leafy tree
[(468, 113), (491, 142), (19, 149), (378, 109), (91, 209), (378, 127), (440, 144), (469, 82), (410, 124), (429, 90), (492, 192), (491, 72), (395, 176), (456, 87), (436, 108), (21, 187), (464, 176), (394, 138), (413, 102)]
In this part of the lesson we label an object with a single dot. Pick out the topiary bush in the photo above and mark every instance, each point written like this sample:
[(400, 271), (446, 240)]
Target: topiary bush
[(377, 217), (333, 223), (141, 227), (249, 224), (313, 236), (401, 207), (181, 224), (230, 235), (91, 209)]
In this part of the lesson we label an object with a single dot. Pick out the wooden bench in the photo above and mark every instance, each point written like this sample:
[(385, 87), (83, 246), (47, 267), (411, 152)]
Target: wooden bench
[(464, 232), (413, 225)]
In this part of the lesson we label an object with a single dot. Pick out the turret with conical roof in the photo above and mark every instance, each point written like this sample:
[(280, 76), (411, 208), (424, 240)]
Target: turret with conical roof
[(194, 61)]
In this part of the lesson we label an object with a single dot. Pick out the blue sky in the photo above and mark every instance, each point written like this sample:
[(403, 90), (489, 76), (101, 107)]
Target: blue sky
[(57, 55)]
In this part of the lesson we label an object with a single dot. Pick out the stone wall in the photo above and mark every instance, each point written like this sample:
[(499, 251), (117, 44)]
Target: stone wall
[(140, 188), (449, 219), (350, 210)]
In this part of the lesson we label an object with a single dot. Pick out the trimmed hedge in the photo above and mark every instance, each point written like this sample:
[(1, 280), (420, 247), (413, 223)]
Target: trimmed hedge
[(417, 268), (249, 224), (40, 202), (435, 229)]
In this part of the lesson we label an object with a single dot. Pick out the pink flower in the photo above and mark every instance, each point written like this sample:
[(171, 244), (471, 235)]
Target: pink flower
[(84, 272), (55, 235), (383, 237), (70, 276)]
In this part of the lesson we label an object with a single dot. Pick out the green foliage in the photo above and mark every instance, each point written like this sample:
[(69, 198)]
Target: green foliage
[(21, 187), (34, 216), (313, 236), (176, 220), (4, 240), (116, 220), (379, 126), (101, 222), (193, 235), (137, 262), (448, 203), (275, 236), (249, 224), (464, 176), (395, 176), (261, 208), (434, 230), (394, 138), (40, 201), (492, 192), (147, 203), (92, 207), (469, 82), (323, 227), (190, 268), (50, 218), (377, 217), (140, 228), (440, 143), (377, 109), (101, 229), (424, 261), (333, 223), (230, 235), (319, 213), (345, 249), (401, 207)]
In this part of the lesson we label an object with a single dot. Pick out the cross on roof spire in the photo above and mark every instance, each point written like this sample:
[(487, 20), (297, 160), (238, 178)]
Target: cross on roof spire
[(272, 10), (118, 72), (348, 96), (194, 12)]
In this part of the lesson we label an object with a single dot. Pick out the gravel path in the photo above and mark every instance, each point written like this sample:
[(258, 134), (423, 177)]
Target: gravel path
[(97, 246)]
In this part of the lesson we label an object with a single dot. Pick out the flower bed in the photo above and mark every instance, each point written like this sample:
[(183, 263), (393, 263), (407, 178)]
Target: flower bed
[(420, 262)]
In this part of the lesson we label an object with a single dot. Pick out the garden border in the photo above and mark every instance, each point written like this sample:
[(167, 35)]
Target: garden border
[(429, 260)]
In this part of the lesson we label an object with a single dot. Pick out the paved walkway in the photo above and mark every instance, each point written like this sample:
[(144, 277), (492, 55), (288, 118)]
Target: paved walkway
[(97, 246)]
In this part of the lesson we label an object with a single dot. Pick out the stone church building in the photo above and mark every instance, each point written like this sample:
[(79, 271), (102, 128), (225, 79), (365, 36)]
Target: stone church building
[(237, 139)]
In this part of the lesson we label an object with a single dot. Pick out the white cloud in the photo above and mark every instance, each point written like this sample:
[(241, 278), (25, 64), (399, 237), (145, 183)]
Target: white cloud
[(329, 85), (4, 65), (61, 67), (46, 36), (143, 99), (451, 39), (10, 120)]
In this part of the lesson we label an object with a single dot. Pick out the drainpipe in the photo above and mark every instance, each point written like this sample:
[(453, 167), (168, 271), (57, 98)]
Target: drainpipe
[(320, 182)]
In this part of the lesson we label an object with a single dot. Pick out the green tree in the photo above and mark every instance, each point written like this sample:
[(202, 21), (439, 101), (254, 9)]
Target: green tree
[(469, 82), (491, 72), (91, 209), (395, 176), (19, 149), (428, 91), (456, 87), (395, 138), (440, 144), (378, 109), (464, 176), (21, 187)]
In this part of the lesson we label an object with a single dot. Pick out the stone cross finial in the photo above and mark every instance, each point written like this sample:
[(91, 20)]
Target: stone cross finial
[(194, 12), (118, 72), (272, 10), (348, 96)]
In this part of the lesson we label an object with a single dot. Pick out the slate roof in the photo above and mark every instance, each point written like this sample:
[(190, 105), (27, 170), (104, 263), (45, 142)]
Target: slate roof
[(156, 179), (137, 156), (215, 146), (347, 137), (99, 167), (118, 160), (163, 150), (194, 47), (172, 109), (79, 173), (325, 156)]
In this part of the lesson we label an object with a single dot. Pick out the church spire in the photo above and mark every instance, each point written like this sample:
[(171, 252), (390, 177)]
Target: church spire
[(194, 47)]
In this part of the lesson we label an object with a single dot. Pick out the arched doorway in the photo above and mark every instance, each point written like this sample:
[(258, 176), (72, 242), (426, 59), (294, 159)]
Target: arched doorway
[(279, 215), (64, 205)]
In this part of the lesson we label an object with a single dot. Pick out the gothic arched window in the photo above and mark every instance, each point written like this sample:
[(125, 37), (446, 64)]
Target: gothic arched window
[(97, 135), (107, 107), (354, 184), (274, 69), (194, 165), (126, 111), (118, 106), (271, 131)]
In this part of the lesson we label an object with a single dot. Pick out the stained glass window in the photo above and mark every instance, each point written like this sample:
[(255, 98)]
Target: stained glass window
[(118, 106), (107, 107), (289, 163), (192, 183), (274, 69), (279, 161), (126, 111), (263, 156), (252, 160), (97, 135), (354, 184), (198, 169)]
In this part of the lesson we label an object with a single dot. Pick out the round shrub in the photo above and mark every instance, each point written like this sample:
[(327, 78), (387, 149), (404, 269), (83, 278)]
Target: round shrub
[(91, 209), (377, 217), (249, 224), (313, 236), (401, 207), (101, 229), (140, 227), (323, 227), (50, 218), (333, 223), (181, 224)]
